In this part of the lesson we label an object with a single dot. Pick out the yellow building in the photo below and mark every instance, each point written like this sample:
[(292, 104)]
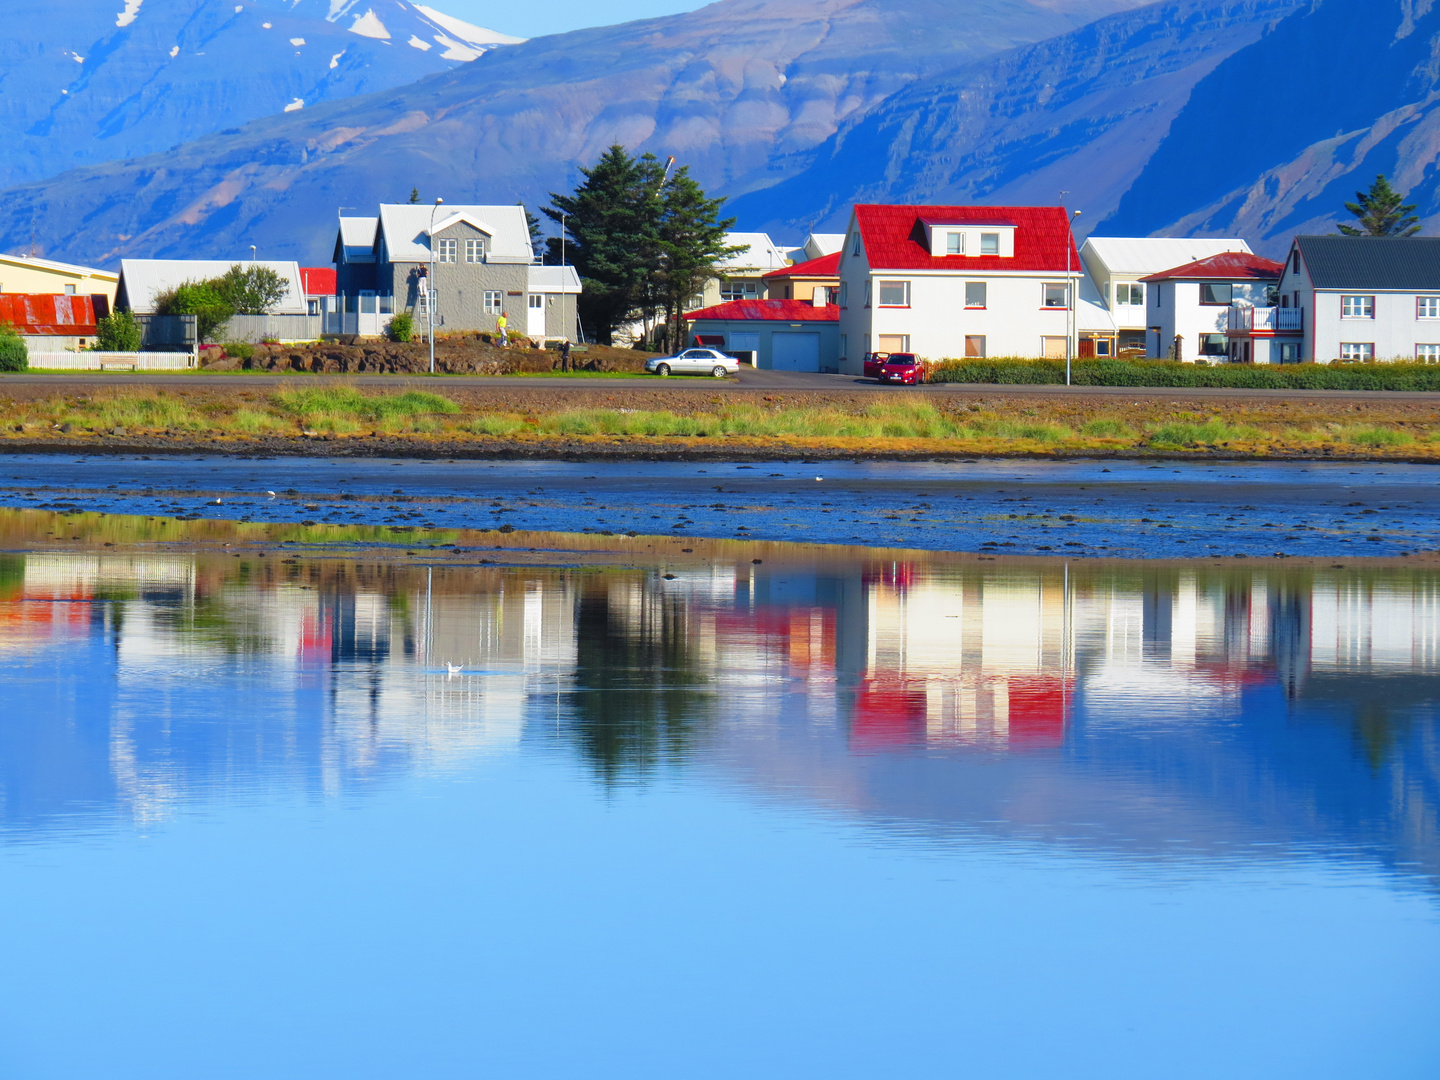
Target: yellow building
[(28, 274)]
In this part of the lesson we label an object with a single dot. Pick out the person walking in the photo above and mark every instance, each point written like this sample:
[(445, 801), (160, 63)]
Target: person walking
[(501, 325), (565, 355)]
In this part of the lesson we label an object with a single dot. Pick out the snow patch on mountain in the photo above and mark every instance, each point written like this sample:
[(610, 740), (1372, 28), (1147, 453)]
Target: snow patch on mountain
[(466, 32), (126, 17), (296, 105), (415, 42), (369, 25)]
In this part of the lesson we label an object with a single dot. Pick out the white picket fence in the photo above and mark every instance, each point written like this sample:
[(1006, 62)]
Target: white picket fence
[(112, 361)]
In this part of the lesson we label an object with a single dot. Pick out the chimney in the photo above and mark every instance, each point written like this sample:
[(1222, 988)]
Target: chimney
[(820, 296)]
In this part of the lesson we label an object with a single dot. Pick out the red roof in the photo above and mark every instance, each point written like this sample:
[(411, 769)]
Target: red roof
[(767, 311), (1227, 266), (51, 313), (895, 237), (824, 266), (318, 280)]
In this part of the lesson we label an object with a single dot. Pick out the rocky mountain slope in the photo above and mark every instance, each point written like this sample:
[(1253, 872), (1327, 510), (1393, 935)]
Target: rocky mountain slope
[(1083, 112), (88, 81), (725, 89), (1274, 140)]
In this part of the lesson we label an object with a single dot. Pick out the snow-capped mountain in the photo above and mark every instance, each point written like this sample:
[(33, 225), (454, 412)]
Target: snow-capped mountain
[(86, 81)]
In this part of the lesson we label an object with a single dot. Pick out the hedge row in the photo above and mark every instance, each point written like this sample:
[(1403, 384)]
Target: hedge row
[(1113, 372)]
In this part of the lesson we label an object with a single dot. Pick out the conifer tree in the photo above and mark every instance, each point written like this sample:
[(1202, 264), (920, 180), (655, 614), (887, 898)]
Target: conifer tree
[(1382, 212)]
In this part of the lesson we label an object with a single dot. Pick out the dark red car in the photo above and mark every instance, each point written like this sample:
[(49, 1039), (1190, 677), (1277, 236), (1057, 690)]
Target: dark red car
[(900, 368)]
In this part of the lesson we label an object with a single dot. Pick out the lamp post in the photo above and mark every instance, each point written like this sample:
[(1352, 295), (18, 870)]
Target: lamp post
[(1070, 297), (564, 304), (430, 292), (252, 253)]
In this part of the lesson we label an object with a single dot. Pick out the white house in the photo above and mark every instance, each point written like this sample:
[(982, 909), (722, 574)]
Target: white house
[(1118, 265), (738, 276), (142, 280), (1222, 308), (949, 281), (1365, 297)]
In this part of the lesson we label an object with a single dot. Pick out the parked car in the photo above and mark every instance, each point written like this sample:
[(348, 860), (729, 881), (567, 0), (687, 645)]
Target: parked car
[(902, 368), (694, 362)]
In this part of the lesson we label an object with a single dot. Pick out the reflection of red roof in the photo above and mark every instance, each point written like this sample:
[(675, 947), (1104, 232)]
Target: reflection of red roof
[(50, 313), (888, 713), (767, 311), (1227, 266), (1037, 710), (318, 280), (895, 237), (824, 266)]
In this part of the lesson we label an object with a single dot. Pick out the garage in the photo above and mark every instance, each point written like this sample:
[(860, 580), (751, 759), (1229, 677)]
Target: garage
[(795, 351)]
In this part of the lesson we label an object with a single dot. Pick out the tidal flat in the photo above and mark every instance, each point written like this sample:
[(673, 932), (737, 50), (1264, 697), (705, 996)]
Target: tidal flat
[(433, 768)]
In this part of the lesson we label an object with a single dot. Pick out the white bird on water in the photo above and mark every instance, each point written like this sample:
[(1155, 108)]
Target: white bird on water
[(271, 494), (453, 669)]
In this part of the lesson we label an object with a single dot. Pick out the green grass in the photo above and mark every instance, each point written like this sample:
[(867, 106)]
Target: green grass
[(342, 409), (1378, 436), (1115, 372), (1103, 428), (1209, 433)]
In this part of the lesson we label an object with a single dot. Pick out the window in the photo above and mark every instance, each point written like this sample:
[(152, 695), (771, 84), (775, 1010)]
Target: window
[(1295, 261), (1157, 294), (1214, 345), (1215, 293), (1357, 350), (893, 343), (1056, 296), (445, 251), (1427, 307), (739, 290), (1285, 301), (989, 243), (1053, 348), (894, 294), (69, 290), (537, 301), (1289, 352), (844, 295), (855, 244), (1102, 346), (844, 346), (955, 243), (492, 302), (1297, 299), (474, 251), (975, 294), (1130, 295), (1429, 354), (1357, 307), (975, 345)]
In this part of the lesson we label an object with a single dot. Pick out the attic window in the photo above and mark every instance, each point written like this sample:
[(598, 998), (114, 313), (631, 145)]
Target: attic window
[(990, 243), (855, 244), (955, 243), (475, 251)]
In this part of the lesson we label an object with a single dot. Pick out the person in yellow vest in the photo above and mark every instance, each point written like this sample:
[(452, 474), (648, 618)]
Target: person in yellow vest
[(500, 325)]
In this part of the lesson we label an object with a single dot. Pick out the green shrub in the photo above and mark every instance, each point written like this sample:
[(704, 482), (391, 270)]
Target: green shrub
[(118, 332), (402, 327), (240, 350), (201, 299), (14, 356), (1115, 372)]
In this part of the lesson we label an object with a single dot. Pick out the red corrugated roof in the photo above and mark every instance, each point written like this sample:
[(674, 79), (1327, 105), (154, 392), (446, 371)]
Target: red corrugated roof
[(895, 237), (1228, 266), (767, 311), (49, 313), (824, 266), (318, 280)]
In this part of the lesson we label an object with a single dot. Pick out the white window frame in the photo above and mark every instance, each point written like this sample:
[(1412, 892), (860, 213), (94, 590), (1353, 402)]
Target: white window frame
[(1357, 350), (739, 290), (1126, 293), (1357, 306), (989, 243), (1428, 353), (904, 343), (891, 283), (475, 250), (1427, 307), (983, 346), (955, 243), (494, 301), (868, 292), (535, 301), (447, 250), (1045, 305), (984, 295)]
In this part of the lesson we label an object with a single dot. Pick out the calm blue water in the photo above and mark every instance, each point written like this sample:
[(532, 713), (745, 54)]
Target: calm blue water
[(846, 818)]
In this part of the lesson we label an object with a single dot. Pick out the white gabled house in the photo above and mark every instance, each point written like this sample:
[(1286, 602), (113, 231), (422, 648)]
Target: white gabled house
[(1222, 309), (1365, 297), (954, 281)]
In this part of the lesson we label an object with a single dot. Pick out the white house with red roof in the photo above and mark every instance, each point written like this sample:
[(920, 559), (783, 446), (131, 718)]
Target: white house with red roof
[(783, 335), (952, 281), (1221, 309), (808, 280)]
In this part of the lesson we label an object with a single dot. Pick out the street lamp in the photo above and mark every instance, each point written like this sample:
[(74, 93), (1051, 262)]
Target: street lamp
[(564, 304), (252, 253), (430, 291), (1070, 290)]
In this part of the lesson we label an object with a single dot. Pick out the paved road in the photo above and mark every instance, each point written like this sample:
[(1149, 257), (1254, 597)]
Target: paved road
[(748, 380)]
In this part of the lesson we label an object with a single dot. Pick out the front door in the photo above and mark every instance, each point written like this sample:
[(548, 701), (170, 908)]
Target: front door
[(535, 316)]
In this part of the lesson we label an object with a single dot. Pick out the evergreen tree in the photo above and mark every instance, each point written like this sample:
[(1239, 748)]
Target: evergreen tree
[(691, 242), (414, 195), (1382, 212), (533, 224)]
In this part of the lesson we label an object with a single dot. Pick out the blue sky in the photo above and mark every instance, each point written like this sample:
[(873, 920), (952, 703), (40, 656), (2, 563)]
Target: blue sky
[(557, 16)]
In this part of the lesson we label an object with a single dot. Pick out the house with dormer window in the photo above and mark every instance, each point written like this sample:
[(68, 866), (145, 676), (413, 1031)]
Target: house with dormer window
[(477, 261), (954, 281)]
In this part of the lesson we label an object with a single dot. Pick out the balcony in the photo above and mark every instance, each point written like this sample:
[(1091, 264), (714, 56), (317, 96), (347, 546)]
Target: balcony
[(1266, 320)]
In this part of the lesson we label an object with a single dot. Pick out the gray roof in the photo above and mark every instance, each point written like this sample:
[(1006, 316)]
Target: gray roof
[(1409, 264), (554, 279), (141, 280), (406, 227)]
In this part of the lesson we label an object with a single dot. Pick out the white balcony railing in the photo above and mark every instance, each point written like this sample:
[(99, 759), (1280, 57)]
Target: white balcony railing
[(1247, 320)]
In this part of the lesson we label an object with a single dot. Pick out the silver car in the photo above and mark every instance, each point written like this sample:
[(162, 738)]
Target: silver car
[(695, 361)]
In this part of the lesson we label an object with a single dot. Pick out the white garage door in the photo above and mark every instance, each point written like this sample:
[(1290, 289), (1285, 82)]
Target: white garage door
[(795, 352)]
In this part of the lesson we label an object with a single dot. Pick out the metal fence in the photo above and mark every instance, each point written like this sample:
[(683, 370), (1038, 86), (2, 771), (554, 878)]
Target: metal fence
[(161, 332), (256, 328)]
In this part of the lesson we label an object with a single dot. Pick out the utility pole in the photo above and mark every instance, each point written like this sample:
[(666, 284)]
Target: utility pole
[(430, 292), (564, 306)]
